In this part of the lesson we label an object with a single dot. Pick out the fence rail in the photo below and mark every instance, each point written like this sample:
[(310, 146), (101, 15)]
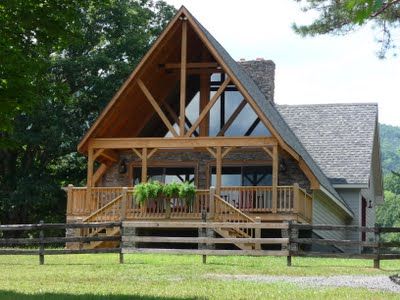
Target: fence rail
[(291, 244)]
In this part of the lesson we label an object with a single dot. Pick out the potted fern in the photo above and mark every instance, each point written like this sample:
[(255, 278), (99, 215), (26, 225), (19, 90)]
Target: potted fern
[(154, 189)]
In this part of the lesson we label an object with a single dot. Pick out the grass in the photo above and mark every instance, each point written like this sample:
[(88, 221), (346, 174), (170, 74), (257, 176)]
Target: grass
[(100, 276)]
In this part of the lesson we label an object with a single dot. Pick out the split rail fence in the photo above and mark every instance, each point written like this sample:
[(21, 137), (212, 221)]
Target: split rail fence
[(289, 245)]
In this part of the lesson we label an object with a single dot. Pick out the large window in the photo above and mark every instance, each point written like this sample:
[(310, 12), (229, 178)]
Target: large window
[(165, 174), (229, 104), (244, 176)]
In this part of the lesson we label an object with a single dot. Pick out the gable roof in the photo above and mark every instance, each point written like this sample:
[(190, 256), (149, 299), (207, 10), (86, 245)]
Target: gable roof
[(245, 84), (339, 137), (274, 117)]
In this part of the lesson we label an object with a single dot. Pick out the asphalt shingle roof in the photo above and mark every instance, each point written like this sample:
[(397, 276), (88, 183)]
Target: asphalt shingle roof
[(339, 137), (271, 113)]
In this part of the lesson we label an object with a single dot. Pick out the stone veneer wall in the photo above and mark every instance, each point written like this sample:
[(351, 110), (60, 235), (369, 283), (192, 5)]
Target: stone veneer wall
[(263, 74), (203, 160)]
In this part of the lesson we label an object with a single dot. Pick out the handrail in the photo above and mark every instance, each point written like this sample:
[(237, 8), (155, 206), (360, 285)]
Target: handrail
[(102, 209), (232, 208)]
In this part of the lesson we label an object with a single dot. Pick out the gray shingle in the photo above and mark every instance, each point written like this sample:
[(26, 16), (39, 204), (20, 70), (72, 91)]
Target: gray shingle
[(339, 137), (272, 114)]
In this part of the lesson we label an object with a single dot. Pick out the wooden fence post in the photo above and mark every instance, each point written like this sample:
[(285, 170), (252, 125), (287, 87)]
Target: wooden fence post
[(121, 246), (41, 245), (289, 257), (204, 233), (377, 233), (70, 203), (212, 202), (257, 234)]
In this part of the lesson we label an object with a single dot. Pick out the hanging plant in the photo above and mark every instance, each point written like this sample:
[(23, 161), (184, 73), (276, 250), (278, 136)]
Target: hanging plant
[(147, 190), (187, 191), (171, 190), (153, 190)]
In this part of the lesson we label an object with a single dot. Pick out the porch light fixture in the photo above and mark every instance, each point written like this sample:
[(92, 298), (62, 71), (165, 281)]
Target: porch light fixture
[(282, 166), (122, 167), (370, 204)]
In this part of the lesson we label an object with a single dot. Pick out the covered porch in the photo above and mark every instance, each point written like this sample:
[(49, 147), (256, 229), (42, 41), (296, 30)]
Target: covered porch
[(234, 204), (248, 199)]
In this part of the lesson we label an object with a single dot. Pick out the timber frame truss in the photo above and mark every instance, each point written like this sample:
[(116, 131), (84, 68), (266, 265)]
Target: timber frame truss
[(187, 135)]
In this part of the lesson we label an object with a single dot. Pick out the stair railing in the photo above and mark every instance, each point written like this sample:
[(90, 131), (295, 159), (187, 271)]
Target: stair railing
[(226, 212)]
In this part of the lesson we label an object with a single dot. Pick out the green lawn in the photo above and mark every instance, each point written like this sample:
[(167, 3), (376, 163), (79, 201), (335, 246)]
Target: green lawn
[(100, 276)]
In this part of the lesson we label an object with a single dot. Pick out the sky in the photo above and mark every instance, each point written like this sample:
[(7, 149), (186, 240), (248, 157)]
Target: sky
[(323, 69)]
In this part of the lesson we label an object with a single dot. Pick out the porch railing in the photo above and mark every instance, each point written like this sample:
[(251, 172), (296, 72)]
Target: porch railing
[(248, 199)]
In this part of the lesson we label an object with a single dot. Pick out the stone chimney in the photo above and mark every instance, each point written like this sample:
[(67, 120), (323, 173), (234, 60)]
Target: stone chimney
[(263, 73)]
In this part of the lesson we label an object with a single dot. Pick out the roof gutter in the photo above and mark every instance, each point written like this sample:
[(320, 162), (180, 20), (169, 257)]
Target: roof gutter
[(337, 201), (350, 186)]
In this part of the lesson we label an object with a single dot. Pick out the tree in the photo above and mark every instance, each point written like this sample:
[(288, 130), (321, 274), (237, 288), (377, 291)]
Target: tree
[(80, 77), (30, 32), (342, 17)]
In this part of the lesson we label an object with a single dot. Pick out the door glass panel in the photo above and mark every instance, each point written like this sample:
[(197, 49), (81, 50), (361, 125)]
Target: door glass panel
[(231, 176), (257, 175), (244, 176)]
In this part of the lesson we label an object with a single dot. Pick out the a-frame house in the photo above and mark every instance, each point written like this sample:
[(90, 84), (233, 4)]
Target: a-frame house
[(189, 112)]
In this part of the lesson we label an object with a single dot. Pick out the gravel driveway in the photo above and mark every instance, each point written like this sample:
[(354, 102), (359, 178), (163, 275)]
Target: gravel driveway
[(381, 282)]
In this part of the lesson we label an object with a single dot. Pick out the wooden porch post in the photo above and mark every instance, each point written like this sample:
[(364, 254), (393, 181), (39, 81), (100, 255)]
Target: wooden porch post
[(144, 165), (89, 181), (204, 98), (183, 79), (218, 170), (275, 178)]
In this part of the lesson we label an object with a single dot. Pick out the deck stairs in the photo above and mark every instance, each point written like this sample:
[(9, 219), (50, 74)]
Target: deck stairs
[(224, 212)]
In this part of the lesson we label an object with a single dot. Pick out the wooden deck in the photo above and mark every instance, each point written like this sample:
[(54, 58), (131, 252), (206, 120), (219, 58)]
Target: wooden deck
[(233, 204)]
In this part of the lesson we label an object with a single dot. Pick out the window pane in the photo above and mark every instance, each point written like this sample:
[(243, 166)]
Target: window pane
[(257, 175), (231, 176)]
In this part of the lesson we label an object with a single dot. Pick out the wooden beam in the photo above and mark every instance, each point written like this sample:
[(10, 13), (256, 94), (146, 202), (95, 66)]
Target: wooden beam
[(176, 118), (191, 65), (211, 151), (97, 154), (182, 143), (151, 153), (226, 151), (218, 168), (275, 170), (171, 112), (137, 153), (204, 97), (110, 155), (156, 107), (182, 102), (269, 152), (89, 182), (232, 117), (314, 183), (99, 173), (240, 87), (144, 165), (252, 127), (208, 107)]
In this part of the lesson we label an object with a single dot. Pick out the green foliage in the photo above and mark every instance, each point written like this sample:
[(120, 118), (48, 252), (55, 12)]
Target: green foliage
[(172, 189), (390, 148), (162, 277), (61, 62), (154, 189), (342, 17), (388, 215), (187, 191)]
